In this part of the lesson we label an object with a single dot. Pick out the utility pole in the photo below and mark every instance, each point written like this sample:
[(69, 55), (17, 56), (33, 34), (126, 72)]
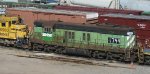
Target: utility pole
[(117, 4)]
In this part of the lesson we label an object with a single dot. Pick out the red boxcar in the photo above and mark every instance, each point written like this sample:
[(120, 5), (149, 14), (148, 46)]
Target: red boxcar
[(99, 10), (140, 23)]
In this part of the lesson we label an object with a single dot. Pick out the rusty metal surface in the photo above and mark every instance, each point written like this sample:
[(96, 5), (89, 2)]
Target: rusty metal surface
[(142, 26), (104, 29), (44, 23), (138, 17), (99, 10), (29, 17), (54, 11)]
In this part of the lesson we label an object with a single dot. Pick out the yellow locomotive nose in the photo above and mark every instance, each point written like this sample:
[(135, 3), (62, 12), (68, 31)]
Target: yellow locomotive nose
[(19, 31), (12, 30)]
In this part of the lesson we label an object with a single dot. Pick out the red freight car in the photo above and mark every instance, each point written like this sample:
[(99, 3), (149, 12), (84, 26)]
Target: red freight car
[(29, 15), (99, 10), (140, 23)]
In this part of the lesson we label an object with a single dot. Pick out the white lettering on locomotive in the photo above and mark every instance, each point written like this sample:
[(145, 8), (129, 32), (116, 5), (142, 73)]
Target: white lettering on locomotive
[(46, 34), (142, 25)]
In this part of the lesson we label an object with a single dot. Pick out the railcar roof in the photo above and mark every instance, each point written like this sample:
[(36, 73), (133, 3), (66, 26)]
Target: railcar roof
[(140, 17), (102, 28), (6, 19), (89, 15), (43, 23), (108, 25)]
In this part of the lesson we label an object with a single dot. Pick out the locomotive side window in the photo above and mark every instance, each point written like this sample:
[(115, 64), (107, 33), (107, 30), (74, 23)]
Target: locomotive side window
[(3, 24), (45, 29), (48, 30), (73, 34), (109, 40), (13, 22), (66, 34), (69, 35), (83, 37), (114, 40), (88, 37)]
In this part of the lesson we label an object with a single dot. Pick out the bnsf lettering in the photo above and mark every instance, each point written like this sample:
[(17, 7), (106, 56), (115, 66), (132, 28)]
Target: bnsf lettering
[(142, 25), (46, 34)]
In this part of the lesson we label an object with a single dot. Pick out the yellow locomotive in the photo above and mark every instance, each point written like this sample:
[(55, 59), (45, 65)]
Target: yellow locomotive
[(13, 31)]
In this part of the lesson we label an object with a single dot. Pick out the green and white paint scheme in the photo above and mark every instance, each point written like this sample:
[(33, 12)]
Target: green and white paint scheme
[(98, 38), (47, 36)]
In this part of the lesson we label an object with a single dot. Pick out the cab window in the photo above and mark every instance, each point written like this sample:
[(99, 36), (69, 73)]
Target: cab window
[(47, 30), (3, 24), (13, 22)]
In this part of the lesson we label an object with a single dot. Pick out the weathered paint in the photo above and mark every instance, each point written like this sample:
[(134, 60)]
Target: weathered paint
[(99, 10), (142, 26), (99, 39), (47, 36), (30, 15)]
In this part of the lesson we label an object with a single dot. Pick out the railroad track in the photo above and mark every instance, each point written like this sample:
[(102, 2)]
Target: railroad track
[(77, 60), (65, 58)]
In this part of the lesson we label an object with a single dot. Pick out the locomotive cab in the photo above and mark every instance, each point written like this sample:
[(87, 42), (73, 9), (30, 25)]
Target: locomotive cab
[(12, 31)]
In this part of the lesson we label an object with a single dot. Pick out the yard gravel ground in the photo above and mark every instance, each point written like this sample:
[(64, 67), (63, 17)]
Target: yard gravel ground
[(10, 64)]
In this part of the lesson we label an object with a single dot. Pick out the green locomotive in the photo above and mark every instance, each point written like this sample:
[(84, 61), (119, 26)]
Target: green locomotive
[(103, 41)]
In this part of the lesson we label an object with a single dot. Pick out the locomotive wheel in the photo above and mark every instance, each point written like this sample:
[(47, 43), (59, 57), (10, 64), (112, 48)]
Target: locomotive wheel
[(5, 44), (122, 58), (33, 47), (59, 50), (109, 56), (147, 59), (140, 55), (141, 58), (46, 49), (94, 54)]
